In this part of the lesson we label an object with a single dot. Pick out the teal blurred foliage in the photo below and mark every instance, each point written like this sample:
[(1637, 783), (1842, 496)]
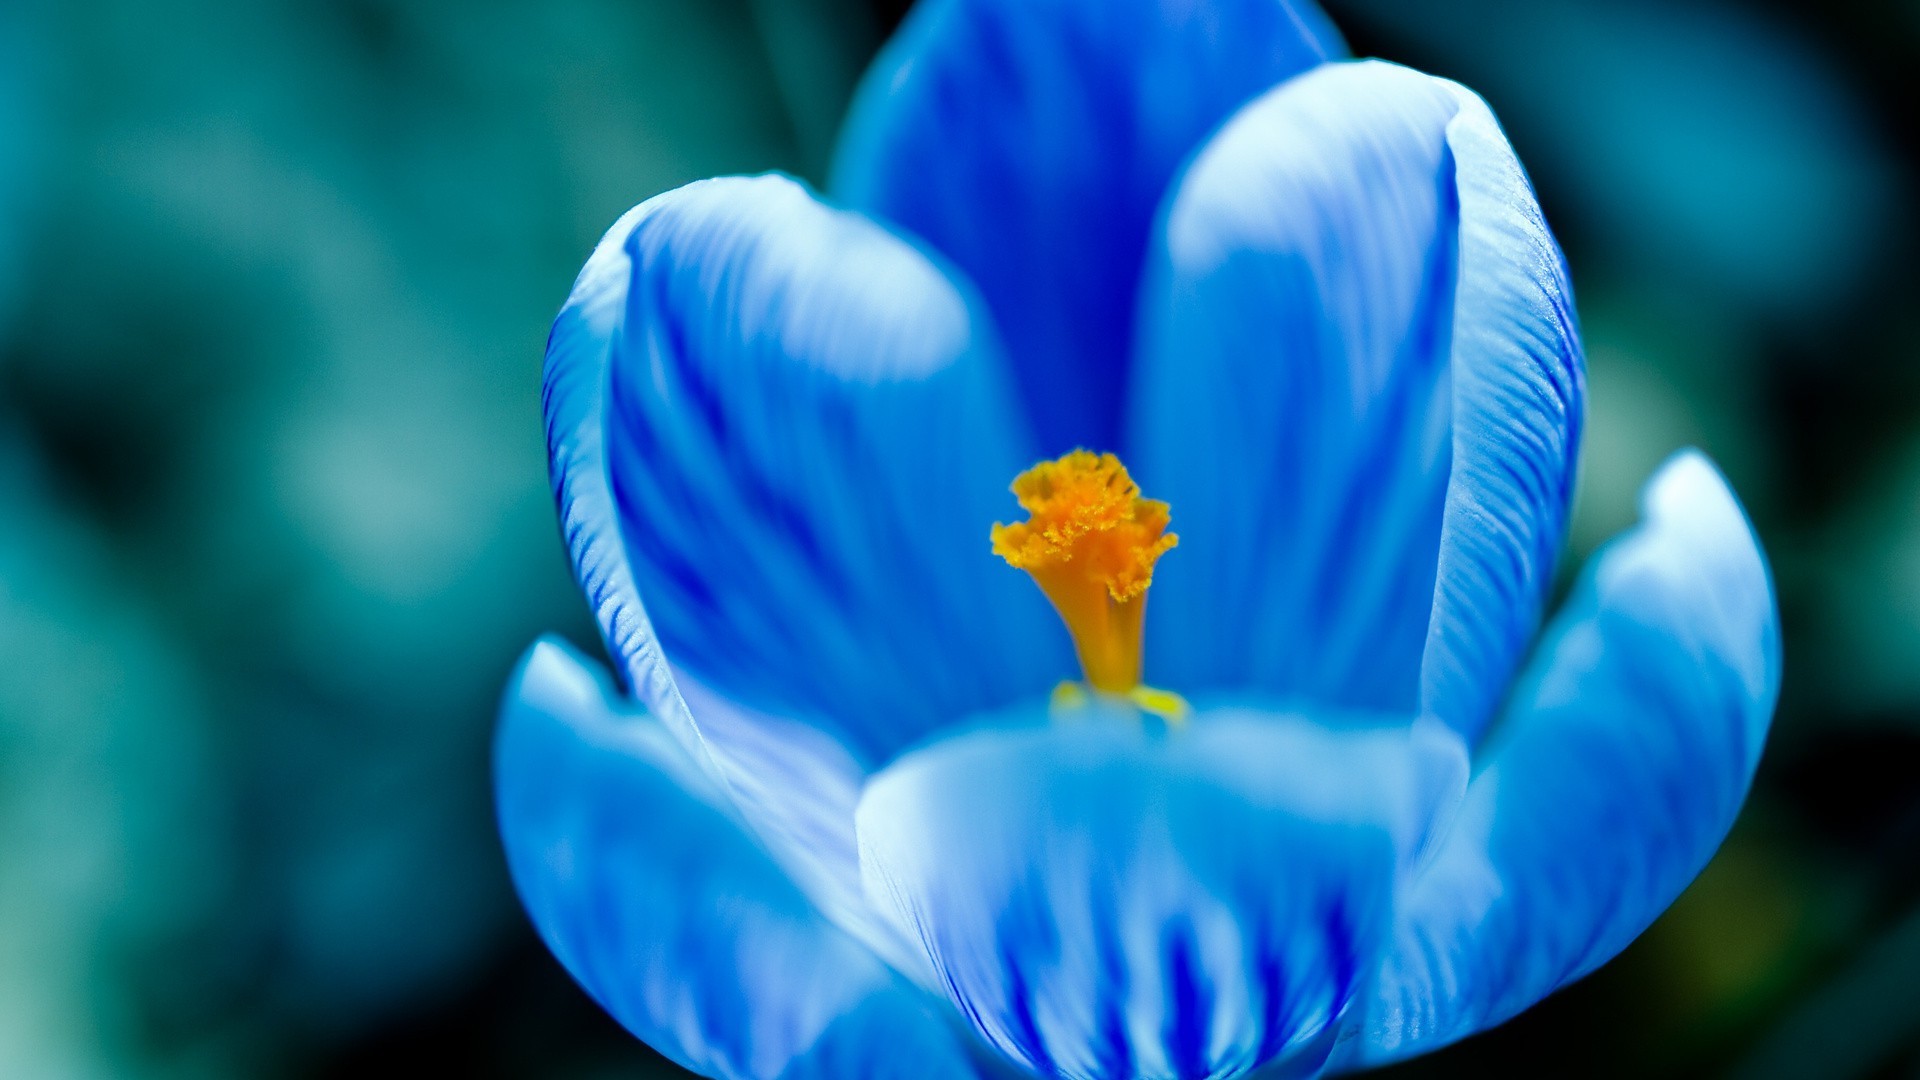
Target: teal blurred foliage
[(274, 523)]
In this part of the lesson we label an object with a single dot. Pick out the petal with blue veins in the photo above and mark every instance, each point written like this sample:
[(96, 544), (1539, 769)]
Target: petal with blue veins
[(1294, 400), (816, 780), (1032, 141), (1519, 402), (1104, 900), (653, 896), (807, 433), (574, 401), (1359, 388), (1617, 771)]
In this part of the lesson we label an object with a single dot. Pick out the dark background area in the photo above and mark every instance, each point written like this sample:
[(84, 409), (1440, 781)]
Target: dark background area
[(274, 522)]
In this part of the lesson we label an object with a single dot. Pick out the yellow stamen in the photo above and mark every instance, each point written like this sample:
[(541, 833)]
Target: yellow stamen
[(1068, 698), (1165, 704), (1090, 544)]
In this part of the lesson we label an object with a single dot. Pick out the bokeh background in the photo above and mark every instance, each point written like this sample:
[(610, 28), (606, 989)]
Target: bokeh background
[(274, 520)]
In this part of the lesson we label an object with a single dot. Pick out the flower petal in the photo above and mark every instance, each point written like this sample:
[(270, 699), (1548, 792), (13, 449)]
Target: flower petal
[(733, 745), (1519, 400), (661, 906), (1293, 402), (807, 435), (574, 400), (1623, 760), (1032, 141), (1358, 382), (1103, 901), (809, 438)]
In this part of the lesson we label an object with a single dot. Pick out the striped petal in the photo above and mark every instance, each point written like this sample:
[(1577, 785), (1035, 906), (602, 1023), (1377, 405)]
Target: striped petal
[(1104, 902), (1295, 396), (728, 741), (654, 897), (1032, 141), (1360, 389), (808, 437), (1621, 764)]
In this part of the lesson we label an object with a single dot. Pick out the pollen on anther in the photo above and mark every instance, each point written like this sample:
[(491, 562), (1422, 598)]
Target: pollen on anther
[(1086, 511), (1090, 542)]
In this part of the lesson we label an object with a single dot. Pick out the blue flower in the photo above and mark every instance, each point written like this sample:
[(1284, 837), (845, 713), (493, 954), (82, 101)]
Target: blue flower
[(842, 817)]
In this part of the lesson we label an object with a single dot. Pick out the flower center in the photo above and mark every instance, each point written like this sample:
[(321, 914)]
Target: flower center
[(1090, 543)]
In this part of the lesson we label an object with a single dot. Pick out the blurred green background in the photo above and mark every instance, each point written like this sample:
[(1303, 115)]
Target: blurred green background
[(274, 521)]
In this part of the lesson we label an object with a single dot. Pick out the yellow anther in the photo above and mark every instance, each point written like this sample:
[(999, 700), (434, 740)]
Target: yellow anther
[(1165, 704), (1090, 544), (1068, 698)]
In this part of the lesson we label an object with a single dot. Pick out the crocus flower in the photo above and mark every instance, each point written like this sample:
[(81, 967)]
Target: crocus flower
[(864, 801)]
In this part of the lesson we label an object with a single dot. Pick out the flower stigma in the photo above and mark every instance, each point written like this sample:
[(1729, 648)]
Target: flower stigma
[(1090, 543)]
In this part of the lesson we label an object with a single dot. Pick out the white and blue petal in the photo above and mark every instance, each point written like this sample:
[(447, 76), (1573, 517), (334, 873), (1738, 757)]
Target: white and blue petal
[(1294, 400), (1032, 141), (1618, 769), (1359, 387), (808, 821), (654, 897), (786, 430), (1102, 900), (808, 433), (574, 402), (1519, 403)]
